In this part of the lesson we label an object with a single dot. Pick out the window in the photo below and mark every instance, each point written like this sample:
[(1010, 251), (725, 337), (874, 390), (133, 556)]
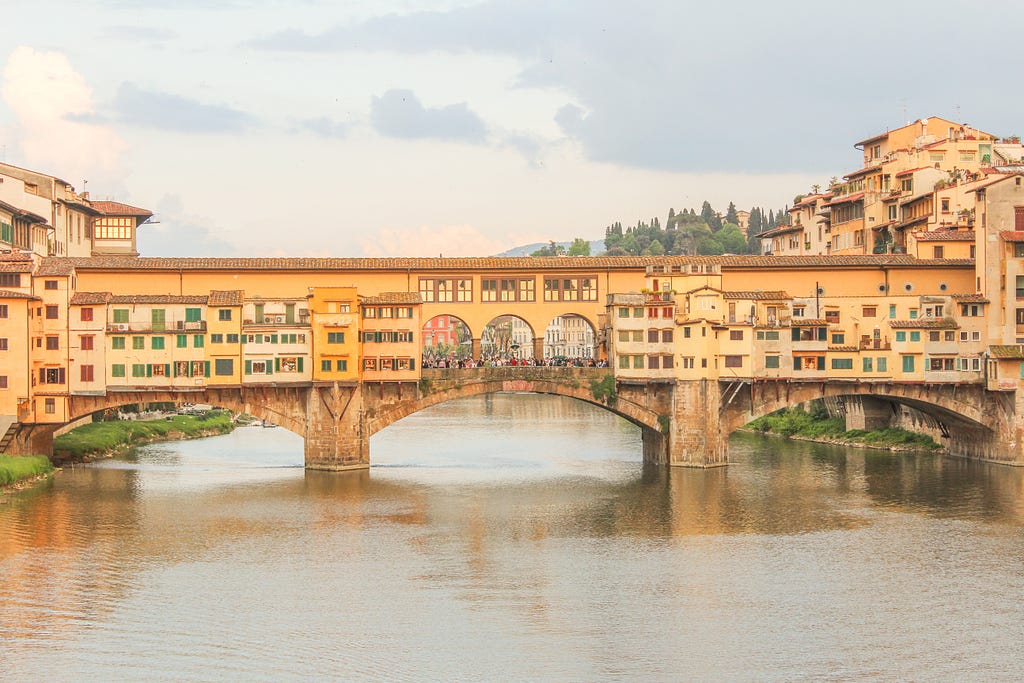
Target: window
[(3, 343), (342, 365), (10, 279), (325, 365), (624, 362), (570, 288), (882, 364), (652, 362), (734, 361), (838, 339), (945, 202), (224, 366), (120, 315), (771, 362), (87, 373), (638, 335), (867, 364), (85, 315), (51, 406), (908, 363), (216, 338), (974, 310), (86, 342), (913, 314), (666, 335), (232, 339), (138, 370), (638, 362), (736, 335), (915, 336), (686, 333), (224, 314), (446, 290), (114, 227), (51, 376), (688, 362), (798, 311), (623, 335), (869, 311), (842, 364), (892, 311), (50, 284), (335, 337), (53, 343), (652, 336), (117, 342), (638, 312), (623, 312), (138, 343), (3, 310), (181, 341), (197, 341), (938, 251), (51, 313), (3, 381), (832, 316)]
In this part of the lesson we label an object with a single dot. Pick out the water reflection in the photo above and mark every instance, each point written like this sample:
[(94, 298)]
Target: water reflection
[(518, 519)]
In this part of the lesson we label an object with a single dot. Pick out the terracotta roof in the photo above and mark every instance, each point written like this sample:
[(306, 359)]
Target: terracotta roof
[(15, 256), (55, 266), (844, 199), (1010, 351), (393, 298), (90, 298), (912, 170), (776, 295), (925, 324), (1000, 178), (16, 267), (842, 348), (971, 298), (9, 294), (230, 297), (158, 299), (1012, 236), (945, 236), (808, 322), (863, 171), (65, 265), (108, 208)]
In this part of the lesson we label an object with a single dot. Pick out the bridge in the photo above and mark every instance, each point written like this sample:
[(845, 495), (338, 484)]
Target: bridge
[(682, 422)]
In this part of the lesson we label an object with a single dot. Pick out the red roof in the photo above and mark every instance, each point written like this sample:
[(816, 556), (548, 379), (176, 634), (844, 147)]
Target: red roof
[(912, 170), (945, 236), (109, 208), (1012, 236), (843, 200)]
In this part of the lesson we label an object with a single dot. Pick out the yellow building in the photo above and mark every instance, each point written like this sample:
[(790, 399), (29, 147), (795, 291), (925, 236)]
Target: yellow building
[(334, 314), (390, 335)]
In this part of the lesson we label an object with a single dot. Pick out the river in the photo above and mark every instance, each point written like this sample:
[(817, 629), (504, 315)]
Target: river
[(513, 537)]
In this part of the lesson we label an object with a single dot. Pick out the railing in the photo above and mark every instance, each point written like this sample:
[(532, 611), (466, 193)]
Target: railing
[(561, 373), (159, 328)]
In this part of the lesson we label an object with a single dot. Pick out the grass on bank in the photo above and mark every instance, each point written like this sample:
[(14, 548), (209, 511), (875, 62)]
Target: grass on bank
[(99, 437), (818, 425), (14, 468)]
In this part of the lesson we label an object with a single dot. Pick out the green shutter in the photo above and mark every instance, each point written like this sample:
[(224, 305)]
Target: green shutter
[(270, 368), (273, 339), (796, 334), (300, 364), (412, 361), (206, 368), (149, 369), (277, 365), (248, 367)]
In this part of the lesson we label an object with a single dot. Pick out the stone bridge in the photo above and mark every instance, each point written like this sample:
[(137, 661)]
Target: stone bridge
[(682, 422)]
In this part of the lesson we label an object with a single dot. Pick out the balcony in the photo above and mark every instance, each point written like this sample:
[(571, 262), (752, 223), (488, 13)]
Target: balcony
[(868, 343), (157, 328)]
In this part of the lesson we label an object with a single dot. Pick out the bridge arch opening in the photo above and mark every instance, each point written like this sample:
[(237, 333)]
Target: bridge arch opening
[(568, 338), (507, 338), (446, 337), (518, 435)]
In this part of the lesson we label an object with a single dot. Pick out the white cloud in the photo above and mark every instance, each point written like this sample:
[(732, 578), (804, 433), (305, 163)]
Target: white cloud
[(425, 240), (52, 104)]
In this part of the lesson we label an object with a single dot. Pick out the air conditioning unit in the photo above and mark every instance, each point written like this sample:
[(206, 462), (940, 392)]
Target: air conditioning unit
[(268, 319), (121, 327), (279, 319)]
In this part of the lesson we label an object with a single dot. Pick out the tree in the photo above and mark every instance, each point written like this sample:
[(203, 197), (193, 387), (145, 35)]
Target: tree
[(710, 246), (655, 248), (731, 216), (552, 249), (709, 216), (732, 239), (579, 247), (755, 223)]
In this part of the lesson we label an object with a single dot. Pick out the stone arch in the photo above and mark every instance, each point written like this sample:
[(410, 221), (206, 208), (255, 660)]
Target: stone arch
[(570, 335), (448, 331), (505, 337)]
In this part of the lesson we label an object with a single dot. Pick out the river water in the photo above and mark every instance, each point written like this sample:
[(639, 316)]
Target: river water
[(513, 537)]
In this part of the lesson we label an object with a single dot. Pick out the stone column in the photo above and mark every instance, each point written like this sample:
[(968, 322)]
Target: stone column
[(335, 437), (696, 437), (33, 440), (476, 348), (655, 446), (867, 412), (538, 348)]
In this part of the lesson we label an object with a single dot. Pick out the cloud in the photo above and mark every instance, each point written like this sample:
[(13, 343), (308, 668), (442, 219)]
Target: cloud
[(688, 86), (175, 232), (56, 125), (399, 114), (324, 127), (140, 107), (139, 34), (426, 240)]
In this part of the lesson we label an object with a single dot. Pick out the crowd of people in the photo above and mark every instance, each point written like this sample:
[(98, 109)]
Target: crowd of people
[(497, 362)]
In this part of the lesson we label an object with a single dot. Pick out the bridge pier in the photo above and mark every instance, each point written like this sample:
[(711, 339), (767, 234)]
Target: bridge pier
[(696, 434), (335, 436), (33, 439), (867, 413)]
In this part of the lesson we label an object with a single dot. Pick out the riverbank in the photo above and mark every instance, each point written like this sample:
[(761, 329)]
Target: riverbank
[(816, 425), (104, 439), (20, 470)]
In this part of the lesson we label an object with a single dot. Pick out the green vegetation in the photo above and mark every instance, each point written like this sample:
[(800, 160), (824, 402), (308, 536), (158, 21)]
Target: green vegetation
[(14, 468), (816, 424), (603, 389), (101, 437)]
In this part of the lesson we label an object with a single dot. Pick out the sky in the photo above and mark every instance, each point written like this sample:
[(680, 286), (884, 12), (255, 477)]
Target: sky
[(467, 127)]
